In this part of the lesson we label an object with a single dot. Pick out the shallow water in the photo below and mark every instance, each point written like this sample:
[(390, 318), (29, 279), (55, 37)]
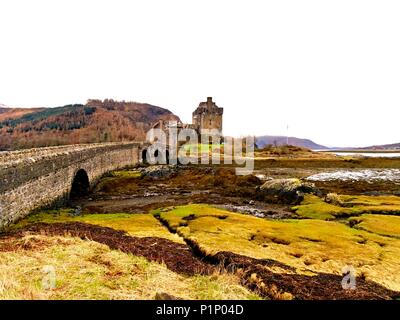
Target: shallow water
[(358, 175), (370, 154)]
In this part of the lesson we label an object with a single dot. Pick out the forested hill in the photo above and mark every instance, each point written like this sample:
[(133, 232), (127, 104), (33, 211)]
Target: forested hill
[(96, 121)]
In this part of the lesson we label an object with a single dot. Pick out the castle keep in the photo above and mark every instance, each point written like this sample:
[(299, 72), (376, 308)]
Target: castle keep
[(208, 116)]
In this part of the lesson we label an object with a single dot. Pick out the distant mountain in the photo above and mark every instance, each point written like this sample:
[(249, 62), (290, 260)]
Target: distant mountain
[(3, 108), (263, 141), (392, 146), (12, 113), (96, 121)]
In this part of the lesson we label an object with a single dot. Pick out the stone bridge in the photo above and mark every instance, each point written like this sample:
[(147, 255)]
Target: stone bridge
[(34, 178)]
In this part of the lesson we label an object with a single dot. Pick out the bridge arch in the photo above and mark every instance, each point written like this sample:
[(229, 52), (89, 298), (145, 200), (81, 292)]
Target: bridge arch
[(144, 156), (167, 156), (80, 184), (160, 156)]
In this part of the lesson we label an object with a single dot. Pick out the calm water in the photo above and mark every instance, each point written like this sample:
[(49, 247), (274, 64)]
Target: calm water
[(370, 154)]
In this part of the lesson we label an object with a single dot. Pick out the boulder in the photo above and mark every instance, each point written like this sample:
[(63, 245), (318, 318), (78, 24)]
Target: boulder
[(158, 171), (165, 296), (286, 191)]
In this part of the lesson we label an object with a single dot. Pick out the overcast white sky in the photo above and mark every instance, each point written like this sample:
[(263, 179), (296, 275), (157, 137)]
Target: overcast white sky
[(328, 69)]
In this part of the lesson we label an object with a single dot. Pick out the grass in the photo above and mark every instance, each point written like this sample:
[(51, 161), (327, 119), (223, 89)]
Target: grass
[(369, 242), (288, 151), (370, 200), (202, 148), (307, 245), (324, 161), (314, 207), (88, 270), (379, 224), (126, 174), (139, 225), (119, 182)]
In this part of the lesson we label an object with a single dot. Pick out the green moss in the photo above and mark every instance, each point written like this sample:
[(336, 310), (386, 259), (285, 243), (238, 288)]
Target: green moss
[(119, 182), (126, 174), (202, 148), (370, 200), (316, 208), (140, 225), (379, 224), (178, 216), (306, 244)]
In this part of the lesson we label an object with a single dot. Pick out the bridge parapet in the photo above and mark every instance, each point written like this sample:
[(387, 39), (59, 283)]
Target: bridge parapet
[(10, 158)]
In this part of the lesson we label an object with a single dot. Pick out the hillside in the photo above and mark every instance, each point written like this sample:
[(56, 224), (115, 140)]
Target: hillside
[(392, 146), (263, 141), (12, 113), (97, 121)]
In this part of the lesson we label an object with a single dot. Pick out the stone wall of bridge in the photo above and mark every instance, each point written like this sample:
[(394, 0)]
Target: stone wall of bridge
[(38, 177)]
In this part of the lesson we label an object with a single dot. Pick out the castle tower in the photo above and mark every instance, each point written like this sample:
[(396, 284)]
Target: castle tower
[(208, 116)]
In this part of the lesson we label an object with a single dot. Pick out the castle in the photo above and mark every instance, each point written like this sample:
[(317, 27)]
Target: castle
[(207, 116)]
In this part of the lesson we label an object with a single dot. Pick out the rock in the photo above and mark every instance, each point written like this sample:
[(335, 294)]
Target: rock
[(286, 191), (77, 211), (334, 199), (165, 296), (158, 171)]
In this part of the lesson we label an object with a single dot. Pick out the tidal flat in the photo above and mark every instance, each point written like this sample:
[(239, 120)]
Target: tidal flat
[(202, 232)]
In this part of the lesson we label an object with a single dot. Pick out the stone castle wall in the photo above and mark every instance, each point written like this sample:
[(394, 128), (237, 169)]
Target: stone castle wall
[(37, 177), (211, 121), (208, 116)]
